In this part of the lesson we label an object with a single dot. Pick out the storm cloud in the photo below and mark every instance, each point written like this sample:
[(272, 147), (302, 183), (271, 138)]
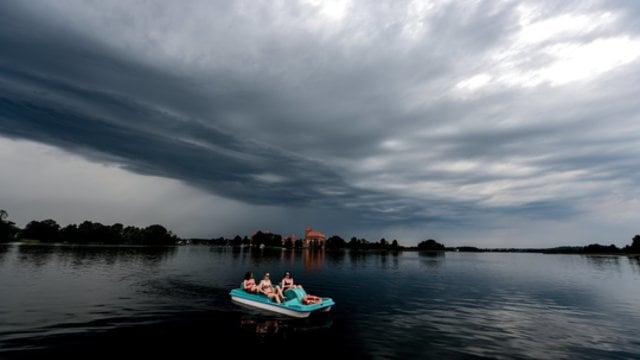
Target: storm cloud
[(411, 118)]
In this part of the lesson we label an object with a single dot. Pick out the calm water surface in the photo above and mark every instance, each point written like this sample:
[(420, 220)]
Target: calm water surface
[(88, 301)]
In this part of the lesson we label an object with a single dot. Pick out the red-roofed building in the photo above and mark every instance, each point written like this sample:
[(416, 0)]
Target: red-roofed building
[(313, 238)]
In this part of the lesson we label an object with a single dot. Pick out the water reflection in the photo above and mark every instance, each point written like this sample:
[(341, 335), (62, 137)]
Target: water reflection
[(431, 259), (78, 256), (336, 257), (604, 262), (262, 327), (223, 249), (236, 252), (312, 259), (634, 261), (288, 256), (259, 257), (34, 255), (270, 329), (357, 257), (4, 249), (499, 306)]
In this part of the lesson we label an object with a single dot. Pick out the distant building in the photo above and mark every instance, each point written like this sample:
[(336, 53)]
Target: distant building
[(313, 238), (255, 232), (289, 241)]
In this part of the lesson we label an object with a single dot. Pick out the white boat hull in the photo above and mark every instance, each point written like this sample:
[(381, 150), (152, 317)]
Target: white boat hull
[(272, 308)]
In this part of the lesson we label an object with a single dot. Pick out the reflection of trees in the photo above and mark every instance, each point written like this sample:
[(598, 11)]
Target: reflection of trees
[(35, 255), (4, 249), (82, 255), (236, 253), (634, 261), (604, 262), (257, 257), (335, 257), (357, 256), (385, 256), (431, 259)]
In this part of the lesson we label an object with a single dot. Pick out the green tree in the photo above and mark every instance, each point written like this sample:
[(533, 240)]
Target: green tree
[(288, 243), (354, 243), (430, 245), (266, 239), (132, 235), (8, 229), (157, 234), (237, 241), (335, 242), (70, 233), (635, 245), (597, 248), (46, 231)]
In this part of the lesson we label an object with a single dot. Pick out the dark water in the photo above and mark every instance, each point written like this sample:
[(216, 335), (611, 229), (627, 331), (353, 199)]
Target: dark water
[(92, 301)]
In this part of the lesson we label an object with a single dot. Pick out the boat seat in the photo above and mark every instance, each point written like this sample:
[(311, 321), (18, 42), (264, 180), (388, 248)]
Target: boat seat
[(295, 293)]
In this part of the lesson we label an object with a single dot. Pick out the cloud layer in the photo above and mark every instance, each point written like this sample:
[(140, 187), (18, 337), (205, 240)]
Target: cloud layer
[(467, 121)]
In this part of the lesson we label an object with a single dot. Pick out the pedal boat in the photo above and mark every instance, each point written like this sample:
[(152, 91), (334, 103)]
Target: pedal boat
[(293, 305)]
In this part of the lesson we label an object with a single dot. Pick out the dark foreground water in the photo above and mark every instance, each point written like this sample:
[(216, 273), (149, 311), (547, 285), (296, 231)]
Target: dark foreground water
[(93, 301)]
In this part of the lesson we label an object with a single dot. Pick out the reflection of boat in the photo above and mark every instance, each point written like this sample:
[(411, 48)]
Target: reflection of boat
[(267, 326), (294, 306), (272, 326)]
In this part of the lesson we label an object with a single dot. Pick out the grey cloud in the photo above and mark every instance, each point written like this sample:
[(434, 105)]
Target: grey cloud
[(266, 111)]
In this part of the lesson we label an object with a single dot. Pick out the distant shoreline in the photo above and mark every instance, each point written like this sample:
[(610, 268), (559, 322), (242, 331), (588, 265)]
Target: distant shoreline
[(87, 232), (577, 250)]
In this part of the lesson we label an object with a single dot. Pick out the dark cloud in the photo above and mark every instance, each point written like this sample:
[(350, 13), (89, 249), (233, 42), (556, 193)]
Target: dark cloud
[(107, 121), (152, 142)]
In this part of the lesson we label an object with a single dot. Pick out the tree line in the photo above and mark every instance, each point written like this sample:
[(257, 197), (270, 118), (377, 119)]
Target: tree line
[(93, 232), (263, 239), (48, 231), (633, 248)]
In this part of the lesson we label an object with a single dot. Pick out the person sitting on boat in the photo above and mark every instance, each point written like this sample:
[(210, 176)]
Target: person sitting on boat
[(249, 283), (267, 288), (288, 283)]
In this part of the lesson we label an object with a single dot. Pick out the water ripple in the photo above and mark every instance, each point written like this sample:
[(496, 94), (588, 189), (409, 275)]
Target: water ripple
[(403, 306)]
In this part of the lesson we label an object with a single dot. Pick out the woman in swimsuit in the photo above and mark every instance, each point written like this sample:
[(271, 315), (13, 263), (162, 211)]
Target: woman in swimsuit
[(250, 283), (288, 283), (269, 290)]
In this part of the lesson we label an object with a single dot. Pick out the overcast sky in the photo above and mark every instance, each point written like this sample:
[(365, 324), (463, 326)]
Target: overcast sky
[(485, 123)]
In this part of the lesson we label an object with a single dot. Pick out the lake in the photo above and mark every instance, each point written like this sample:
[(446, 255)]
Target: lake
[(93, 301)]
